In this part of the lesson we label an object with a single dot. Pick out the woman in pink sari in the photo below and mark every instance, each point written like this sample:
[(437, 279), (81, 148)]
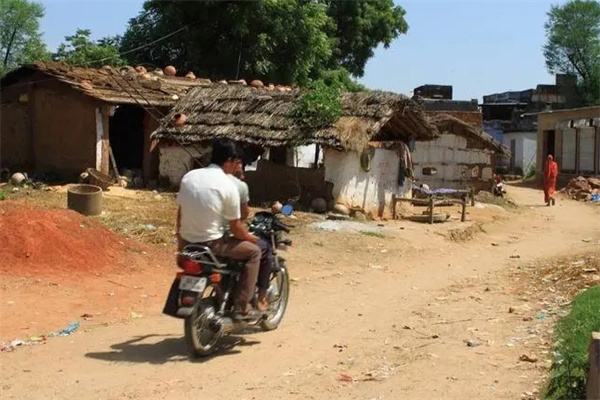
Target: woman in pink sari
[(550, 175)]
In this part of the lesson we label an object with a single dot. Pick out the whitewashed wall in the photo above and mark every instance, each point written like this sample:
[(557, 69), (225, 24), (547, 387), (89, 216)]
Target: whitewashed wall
[(525, 148), (370, 190), (457, 166), (174, 162), (303, 156)]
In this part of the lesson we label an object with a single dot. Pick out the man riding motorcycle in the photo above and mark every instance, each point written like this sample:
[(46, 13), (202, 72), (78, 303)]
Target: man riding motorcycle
[(266, 260), (206, 197)]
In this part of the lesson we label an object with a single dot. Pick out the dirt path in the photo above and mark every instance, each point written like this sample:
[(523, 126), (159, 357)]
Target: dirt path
[(394, 315)]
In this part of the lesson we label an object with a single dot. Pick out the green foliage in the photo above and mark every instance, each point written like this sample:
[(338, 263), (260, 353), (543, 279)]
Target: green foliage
[(81, 51), (318, 108), (287, 42), (573, 45), (573, 331), (20, 39), (530, 173)]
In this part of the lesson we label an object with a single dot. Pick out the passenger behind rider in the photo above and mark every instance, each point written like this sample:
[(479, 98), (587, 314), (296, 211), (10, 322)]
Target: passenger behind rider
[(266, 260), (206, 197)]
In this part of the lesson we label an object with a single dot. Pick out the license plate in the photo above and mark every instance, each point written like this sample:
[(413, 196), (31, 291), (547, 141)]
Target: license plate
[(192, 283)]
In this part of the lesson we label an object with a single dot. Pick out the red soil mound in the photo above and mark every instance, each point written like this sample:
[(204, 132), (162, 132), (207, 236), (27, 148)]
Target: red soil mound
[(38, 241)]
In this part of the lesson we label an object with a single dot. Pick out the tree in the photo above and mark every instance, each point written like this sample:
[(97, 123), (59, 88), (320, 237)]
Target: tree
[(81, 51), (289, 42), (20, 39), (573, 45)]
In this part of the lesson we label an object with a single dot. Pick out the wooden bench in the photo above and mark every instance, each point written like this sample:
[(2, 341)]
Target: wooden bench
[(434, 200)]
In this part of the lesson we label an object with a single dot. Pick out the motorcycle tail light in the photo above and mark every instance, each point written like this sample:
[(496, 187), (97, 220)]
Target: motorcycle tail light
[(191, 267), (215, 278), (188, 301)]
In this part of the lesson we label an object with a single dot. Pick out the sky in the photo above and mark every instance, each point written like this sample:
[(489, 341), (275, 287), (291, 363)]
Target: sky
[(479, 47)]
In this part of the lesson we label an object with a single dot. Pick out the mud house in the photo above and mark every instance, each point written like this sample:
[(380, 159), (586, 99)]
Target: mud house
[(572, 136), (62, 119), (462, 156), (362, 153)]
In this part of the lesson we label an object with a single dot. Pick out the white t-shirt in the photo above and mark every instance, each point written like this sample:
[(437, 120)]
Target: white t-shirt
[(207, 197), (242, 188)]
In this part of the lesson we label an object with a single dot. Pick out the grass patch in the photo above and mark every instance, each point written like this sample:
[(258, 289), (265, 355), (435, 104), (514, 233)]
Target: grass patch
[(573, 331), (374, 234)]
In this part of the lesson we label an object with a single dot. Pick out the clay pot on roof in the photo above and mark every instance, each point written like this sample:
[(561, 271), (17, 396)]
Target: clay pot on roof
[(239, 82), (223, 82), (280, 88), (140, 69), (170, 71), (146, 76), (126, 70), (179, 119), (271, 86), (87, 85), (257, 84), (158, 71), (190, 75)]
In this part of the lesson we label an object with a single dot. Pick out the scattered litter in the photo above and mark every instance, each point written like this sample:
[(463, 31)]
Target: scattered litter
[(526, 358), (511, 310), (87, 316), (149, 227), (340, 347), (407, 327), (586, 240), (73, 326), (495, 244), (541, 316), (135, 315), (346, 378), (472, 343), (515, 255)]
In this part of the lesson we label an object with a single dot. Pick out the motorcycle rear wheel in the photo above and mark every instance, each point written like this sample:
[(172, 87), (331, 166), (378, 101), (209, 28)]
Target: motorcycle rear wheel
[(201, 340), (278, 296)]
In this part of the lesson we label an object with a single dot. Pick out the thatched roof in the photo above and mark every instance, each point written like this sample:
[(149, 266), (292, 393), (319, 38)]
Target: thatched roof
[(476, 138), (259, 117), (112, 85)]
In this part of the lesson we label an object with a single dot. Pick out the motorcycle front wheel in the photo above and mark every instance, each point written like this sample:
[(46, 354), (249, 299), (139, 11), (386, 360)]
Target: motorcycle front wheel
[(200, 338), (278, 296)]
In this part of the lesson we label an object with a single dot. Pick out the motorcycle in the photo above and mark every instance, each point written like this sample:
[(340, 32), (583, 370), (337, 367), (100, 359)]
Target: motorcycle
[(202, 292)]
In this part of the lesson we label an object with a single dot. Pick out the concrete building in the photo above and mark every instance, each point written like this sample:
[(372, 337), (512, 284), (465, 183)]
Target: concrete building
[(572, 136)]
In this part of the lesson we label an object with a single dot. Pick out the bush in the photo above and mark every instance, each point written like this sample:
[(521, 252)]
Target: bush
[(573, 331), (318, 108), (530, 172)]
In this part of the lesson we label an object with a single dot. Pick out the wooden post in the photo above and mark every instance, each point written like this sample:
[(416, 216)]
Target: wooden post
[(431, 209), (463, 218), (593, 380), (394, 206), (114, 164), (472, 197)]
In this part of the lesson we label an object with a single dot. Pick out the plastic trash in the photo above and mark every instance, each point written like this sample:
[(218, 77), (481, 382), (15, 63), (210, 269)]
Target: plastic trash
[(73, 326)]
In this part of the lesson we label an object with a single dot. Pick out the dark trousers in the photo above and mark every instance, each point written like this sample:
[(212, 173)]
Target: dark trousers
[(266, 264)]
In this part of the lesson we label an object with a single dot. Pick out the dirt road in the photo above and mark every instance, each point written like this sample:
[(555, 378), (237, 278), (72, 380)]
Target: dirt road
[(393, 315)]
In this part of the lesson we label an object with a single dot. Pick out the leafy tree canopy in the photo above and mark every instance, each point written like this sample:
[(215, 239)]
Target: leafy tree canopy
[(573, 45), (79, 50), (20, 39), (290, 42)]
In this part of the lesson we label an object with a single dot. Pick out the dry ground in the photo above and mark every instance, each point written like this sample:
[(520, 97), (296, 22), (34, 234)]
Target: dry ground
[(382, 316)]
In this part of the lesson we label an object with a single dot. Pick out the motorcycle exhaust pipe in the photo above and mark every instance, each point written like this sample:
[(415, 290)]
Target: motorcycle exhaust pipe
[(223, 325)]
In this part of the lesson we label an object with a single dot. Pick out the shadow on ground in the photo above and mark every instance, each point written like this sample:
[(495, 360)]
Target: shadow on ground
[(169, 349)]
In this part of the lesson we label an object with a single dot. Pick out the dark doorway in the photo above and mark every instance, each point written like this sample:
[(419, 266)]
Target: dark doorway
[(126, 135), (549, 143)]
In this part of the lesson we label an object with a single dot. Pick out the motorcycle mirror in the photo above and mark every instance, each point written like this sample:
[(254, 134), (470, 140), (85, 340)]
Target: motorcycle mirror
[(287, 210)]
